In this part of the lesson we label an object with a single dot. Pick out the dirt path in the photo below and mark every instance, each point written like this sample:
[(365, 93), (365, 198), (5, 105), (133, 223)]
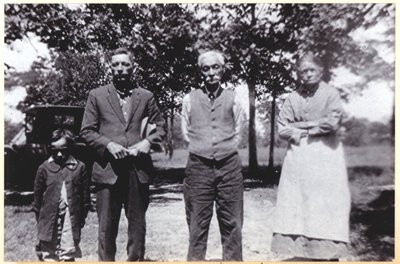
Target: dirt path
[(167, 232), (256, 229)]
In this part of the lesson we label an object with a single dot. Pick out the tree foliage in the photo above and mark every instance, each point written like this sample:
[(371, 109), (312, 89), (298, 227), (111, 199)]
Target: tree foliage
[(164, 49), (67, 82), (359, 131), (160, 36), (261, 42)]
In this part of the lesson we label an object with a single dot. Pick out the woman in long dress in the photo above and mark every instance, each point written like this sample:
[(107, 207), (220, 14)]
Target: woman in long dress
[(313, 202)]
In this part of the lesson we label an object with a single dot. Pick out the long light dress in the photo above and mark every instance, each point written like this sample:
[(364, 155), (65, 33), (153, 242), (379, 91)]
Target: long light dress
[(313, 202)]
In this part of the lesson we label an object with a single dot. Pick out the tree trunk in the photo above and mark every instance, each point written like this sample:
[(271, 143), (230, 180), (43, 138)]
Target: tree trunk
[(253, 163), (169, 144), (272, 139)]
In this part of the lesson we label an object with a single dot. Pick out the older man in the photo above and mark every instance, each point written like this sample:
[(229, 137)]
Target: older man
[(211, 122), (111, 127)]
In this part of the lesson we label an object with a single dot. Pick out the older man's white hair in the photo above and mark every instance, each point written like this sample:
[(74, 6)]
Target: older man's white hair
[(211, 53)]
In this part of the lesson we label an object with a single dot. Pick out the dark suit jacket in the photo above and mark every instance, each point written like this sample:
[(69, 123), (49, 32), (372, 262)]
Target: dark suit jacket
[(103, 122)]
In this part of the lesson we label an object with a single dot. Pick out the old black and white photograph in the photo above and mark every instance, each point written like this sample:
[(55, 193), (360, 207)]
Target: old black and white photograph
[(177, 132)]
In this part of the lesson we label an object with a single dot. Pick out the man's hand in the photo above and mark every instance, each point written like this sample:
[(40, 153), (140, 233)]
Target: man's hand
[(139, 148), (117, 151)]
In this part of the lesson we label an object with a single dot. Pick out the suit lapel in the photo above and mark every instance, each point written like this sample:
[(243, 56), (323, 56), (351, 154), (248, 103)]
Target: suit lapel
[(134, 105), (112, 98)]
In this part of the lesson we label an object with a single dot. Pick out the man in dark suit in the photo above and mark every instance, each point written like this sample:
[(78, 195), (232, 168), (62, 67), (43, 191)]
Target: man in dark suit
[(111, 127)]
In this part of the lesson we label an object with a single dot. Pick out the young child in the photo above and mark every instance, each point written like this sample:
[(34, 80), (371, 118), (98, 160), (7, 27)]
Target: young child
[(61, 201)]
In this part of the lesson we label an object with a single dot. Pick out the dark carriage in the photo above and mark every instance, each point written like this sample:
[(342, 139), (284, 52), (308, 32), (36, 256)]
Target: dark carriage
[(30, 147)]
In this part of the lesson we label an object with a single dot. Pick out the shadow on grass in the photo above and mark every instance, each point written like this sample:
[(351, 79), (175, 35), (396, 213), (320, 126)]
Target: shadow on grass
[(356, 171), (170, 181), (263, 177), (376, 222), (18, 198)]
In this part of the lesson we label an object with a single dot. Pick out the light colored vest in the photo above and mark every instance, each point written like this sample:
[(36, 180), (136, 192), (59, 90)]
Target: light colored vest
[(211, 129)]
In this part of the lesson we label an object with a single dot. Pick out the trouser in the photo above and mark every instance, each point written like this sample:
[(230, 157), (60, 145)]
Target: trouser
[(208, 181), (62, 246), (134, 196)]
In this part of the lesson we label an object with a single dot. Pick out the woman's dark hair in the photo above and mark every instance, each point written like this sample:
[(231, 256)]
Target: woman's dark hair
[(63, 133)]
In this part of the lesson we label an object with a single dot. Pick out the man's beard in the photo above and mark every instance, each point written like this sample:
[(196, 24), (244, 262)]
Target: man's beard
[(121, 79), (122, 84)]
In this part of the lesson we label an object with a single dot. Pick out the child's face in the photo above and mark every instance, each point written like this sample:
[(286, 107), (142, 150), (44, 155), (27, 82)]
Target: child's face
[(59, 150)]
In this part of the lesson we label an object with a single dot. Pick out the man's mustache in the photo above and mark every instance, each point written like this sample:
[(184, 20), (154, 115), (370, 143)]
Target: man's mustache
[(213, 78), (122, 74)]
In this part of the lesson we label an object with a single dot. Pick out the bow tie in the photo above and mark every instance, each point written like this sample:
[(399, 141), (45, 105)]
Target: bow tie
[(124, 94)]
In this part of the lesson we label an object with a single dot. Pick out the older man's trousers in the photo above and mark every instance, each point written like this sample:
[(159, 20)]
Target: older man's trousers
[(208, 181), (134, 196)]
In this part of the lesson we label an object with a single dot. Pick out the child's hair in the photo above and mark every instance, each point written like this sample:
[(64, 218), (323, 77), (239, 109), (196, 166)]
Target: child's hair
[(63, 133)]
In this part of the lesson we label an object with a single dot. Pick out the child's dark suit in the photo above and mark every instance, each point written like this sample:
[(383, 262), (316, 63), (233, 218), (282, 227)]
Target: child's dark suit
[(61, 204)]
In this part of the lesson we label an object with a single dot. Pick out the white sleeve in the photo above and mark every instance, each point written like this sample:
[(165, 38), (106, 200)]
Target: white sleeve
[(185, 121), (239, 118)]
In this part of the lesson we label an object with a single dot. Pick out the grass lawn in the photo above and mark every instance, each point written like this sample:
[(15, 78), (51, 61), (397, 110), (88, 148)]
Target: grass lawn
[(372, 220)]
